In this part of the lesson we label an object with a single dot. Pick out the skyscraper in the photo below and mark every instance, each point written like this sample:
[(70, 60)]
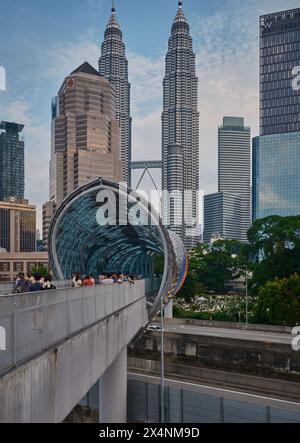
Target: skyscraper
[(85, 137), (180, 126), (279, 55), (276, 153), (222, 217), (11, 161), (17, 226), (86, 142), (113, 65), (234, 171), (228, 212)]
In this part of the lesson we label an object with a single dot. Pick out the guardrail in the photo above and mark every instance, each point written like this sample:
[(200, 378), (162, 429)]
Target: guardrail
[(7, 288), (229, 325), (35, 322)]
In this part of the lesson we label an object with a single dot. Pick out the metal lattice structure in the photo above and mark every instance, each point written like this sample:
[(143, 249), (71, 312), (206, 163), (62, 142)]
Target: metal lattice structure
[(78, 243)]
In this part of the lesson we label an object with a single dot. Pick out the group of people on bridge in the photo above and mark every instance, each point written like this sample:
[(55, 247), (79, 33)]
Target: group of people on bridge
[(32, 283), (103, 279), (36, 282)]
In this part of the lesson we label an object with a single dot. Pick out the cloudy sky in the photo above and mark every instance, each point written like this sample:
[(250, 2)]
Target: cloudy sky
[(42, 41)]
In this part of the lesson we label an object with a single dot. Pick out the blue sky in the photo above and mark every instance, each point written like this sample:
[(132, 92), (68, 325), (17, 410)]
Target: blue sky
[(42, 41)]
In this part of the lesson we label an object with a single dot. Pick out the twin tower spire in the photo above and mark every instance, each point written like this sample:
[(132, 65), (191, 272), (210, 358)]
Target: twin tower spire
[(180, 118)]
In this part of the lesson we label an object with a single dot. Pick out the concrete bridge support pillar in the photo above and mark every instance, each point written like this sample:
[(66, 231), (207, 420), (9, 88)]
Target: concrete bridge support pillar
[(169, 310), (113, 391)]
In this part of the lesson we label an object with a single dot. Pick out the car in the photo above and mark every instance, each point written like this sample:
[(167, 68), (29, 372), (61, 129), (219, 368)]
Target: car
[(155, 328)]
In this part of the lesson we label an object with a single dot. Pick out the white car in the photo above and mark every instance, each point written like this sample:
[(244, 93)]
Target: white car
[(154, 328)]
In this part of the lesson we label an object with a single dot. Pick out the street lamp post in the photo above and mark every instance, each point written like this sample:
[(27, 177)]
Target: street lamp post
[(234, 256), (162, 363), (246, 279)]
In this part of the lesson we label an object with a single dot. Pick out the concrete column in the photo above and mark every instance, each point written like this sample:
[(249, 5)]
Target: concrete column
[(169, 310), (113, 391)]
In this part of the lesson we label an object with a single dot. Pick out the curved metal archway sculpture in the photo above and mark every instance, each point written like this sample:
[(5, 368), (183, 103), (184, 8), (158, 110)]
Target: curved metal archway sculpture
[(91, 234)]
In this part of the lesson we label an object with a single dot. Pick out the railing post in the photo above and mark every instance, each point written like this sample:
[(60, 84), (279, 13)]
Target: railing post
[(82, 306), (221, 410), (182, 405), (15, 330), (268, 414)]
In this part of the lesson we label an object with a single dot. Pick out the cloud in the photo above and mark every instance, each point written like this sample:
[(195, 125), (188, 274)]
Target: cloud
[(146, 76), (226, 44)]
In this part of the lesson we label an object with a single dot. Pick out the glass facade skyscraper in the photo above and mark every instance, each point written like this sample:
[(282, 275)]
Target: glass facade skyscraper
[(11, 161), (279, 55), (276, 153), (222, 216), (276, 175)]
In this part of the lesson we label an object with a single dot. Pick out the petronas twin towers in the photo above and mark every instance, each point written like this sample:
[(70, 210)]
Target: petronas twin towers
[(113, 65), (180, 122)]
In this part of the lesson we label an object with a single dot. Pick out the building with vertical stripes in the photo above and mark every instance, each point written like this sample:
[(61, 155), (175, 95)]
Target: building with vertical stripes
[(113, 65), (180, 125), (276, 152), (12, 182), (228, 212)]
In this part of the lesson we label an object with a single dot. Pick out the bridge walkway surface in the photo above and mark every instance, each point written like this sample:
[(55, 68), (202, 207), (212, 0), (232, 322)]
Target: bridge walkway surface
[(59, 343)]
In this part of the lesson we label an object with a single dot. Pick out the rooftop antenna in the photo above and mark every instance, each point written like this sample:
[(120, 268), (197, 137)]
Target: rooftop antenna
[(113, 9)]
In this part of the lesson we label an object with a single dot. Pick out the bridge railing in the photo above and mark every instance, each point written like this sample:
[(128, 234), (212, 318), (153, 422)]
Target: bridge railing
[(35, 322)]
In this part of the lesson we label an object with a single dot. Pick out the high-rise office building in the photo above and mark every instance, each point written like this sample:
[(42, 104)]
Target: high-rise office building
[(17, 226), (11, 161), (180, 126), (234, 166), (276, 175), (279, 55), (276, 153), (228, 212), (222, 217), (49, 209), (85, 136), (113, 65)]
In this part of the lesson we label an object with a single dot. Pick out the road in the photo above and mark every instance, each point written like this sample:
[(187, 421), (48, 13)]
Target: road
[(220, 392), (236, 334)]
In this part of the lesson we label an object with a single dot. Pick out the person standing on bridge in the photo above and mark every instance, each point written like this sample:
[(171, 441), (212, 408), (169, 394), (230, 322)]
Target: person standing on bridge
[(77, 282), (89, 281), (22, 284)]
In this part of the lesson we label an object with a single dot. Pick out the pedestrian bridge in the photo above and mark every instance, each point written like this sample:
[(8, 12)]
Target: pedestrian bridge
[(60, 343)]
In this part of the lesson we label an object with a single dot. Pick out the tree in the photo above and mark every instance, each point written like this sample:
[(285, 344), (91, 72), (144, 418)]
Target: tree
[(279, 302), (274, 244), (40, 269), (211, 267)]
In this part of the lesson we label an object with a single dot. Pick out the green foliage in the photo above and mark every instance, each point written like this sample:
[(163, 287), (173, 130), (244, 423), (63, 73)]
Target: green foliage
[(273, 261), (275, 246), (159, 263), (211, 267), (279, 302), (41, 270)]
